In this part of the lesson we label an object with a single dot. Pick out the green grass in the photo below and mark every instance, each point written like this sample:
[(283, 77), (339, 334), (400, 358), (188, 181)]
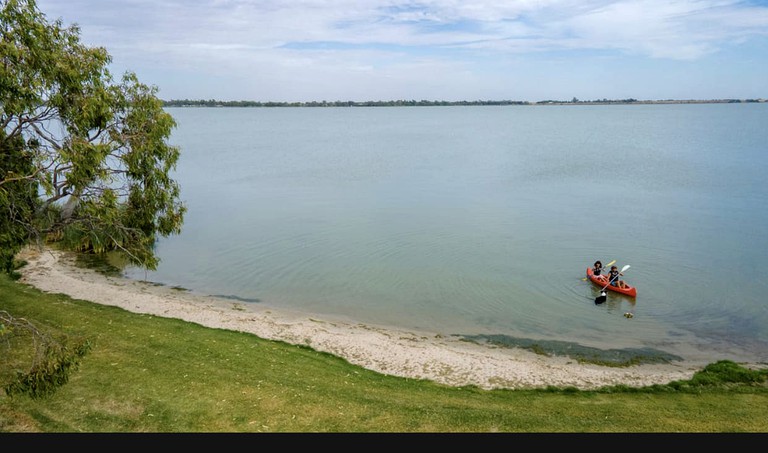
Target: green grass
[(150, 374)]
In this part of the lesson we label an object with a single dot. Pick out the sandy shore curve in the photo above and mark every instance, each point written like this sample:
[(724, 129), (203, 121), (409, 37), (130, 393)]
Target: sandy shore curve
[(419, 355)]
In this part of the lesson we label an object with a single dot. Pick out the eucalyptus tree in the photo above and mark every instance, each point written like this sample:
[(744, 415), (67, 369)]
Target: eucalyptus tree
[(92, 151)]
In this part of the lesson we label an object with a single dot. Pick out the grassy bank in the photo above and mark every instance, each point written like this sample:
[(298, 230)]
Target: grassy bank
[(149, 374)]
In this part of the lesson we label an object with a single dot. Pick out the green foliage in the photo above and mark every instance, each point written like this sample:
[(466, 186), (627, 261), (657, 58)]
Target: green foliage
[(38, 360), (726, 372), (50, 373), (95, 150), (18, 200), (722, 375)]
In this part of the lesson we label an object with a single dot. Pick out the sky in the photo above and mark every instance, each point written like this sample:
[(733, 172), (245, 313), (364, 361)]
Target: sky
[(436, 50)]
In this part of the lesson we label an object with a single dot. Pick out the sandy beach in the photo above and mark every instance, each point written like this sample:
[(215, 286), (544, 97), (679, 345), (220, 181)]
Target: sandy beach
[(420, 355)]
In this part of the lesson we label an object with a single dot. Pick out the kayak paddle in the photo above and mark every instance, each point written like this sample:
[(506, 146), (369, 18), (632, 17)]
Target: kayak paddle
[(603, 295)]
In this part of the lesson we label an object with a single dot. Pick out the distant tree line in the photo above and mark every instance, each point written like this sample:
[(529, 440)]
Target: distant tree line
[(397, 103), (425, 103)]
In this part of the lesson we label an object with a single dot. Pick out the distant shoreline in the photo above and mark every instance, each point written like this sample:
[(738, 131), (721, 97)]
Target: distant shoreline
[(425, 103)]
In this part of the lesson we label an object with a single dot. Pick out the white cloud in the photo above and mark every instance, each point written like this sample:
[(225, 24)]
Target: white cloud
[(443, 48)]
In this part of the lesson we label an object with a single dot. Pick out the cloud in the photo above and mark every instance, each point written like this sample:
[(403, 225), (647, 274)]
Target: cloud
[(358, 44)]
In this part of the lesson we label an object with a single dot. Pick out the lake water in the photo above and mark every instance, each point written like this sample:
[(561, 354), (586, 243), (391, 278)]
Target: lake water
[(482, 220)]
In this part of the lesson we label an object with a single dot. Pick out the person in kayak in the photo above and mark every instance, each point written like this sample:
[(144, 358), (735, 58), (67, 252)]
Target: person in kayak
[(613, 277), (598, 269)]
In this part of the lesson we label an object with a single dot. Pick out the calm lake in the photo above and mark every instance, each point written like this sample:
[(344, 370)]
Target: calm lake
[(483, 220)]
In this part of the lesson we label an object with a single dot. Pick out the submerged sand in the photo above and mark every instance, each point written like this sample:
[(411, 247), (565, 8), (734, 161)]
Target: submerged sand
[(419, 355)]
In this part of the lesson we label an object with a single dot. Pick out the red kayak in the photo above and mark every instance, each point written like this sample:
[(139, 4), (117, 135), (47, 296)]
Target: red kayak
[(602, 280)]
